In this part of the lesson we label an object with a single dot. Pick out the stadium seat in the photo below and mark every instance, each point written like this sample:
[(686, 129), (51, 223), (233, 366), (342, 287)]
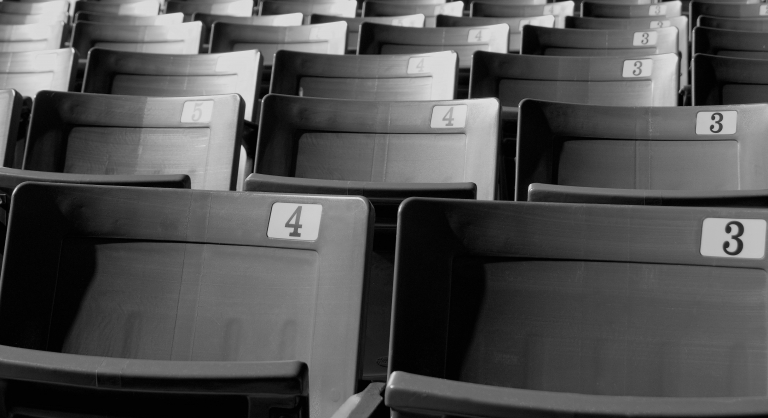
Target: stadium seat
[(756, 24), (366, 77), (638, 23), (158, 20), (181, 302), (20, 19), (509, 2), (726, 9), (538, 192), (33, 37), (353, 24), (183, 38), (291, 19), (239, 8), (722, 80), (137, 8), (385, 151), (586, 42), (732, 43), (657, 148), (430, 11), (515, 25), (85, 133), (532, 309), (30, 72), (138, 74), (559, 9), (326, 38), (628, 11), (10, 113), (307, 9), (55, 7)]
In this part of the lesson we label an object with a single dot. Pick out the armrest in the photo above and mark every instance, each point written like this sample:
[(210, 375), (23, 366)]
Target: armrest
[(363, 404), (432, 396), (219, 377), (538, 192), (11, 177)]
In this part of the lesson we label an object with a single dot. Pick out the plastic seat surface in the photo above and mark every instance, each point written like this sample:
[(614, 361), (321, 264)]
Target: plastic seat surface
[(25, 8), (725, 9), (586, 80), (721, 198), (10, 114), (163, 19), (137, 322), (32, 37), (430, 11), (84, 133), (386, 39), (515, 25), (538, 309), (707, 148), (353, 24), (20, 19), (30, 72), (731, 43), (139, 8), (637, 23), (307, 9), (241, 8), (182, 38), (559, 9), (386, 151), (290, 19), (587, 42), (325, 38), (627, 11), (366, 77), (756, 24), (728, 80)]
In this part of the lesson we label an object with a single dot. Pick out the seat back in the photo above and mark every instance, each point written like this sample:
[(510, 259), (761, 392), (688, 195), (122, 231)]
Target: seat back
[(10, 114), (190, 276), (30, 72), (31, 8), (241, 8), (430, 11), (182, 38), (307, 9), (559, 9), (756, 24), (730, 43), (657, 148), (326, 38), (640, 23), (33, 37), (291, 19), (585, 42), (726, 80), (726, 9), (138, 8), (138, 74), (353, 24), (109, 134), (609, 81), (159, 20), (328, 139), (366, 77), (20, 19), (627, 11), (386, 39), (515, 25), (500, 307)]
